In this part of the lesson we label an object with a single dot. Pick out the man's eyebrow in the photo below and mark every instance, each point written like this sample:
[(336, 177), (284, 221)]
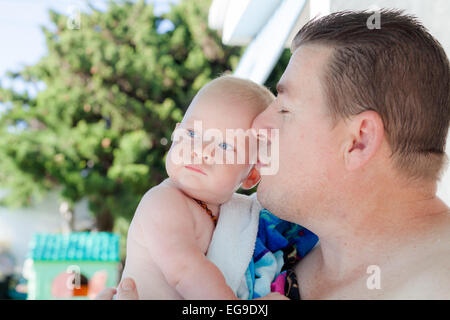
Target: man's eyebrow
[(281, 88)]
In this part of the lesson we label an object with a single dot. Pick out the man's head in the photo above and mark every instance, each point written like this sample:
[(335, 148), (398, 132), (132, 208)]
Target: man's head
[(217, 126), (399, 71), (355, 104)]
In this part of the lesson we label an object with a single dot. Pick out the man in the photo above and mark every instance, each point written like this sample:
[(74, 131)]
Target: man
[(363, 116)]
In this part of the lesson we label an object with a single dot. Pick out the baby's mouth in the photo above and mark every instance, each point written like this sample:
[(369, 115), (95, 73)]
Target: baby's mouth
[(260, 165), (195, 168)]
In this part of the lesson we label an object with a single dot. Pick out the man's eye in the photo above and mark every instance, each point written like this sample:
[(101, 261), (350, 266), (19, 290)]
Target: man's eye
[(283, 111)]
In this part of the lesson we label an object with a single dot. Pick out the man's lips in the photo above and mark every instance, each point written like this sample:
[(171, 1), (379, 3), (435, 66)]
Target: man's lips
[(195, 168)]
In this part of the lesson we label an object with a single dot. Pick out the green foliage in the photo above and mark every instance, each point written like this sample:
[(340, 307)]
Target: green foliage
[(277, 72), (111, 95), (112, 90)]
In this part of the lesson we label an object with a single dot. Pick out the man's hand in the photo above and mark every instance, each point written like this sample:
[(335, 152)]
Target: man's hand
[(273, 296), (126, 290)]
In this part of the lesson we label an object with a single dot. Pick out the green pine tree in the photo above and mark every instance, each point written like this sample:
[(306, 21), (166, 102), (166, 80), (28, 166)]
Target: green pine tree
[(110, 95)]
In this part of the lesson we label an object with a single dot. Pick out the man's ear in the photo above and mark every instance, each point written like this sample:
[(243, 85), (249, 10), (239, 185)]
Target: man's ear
[(252, 179), (364, 140)]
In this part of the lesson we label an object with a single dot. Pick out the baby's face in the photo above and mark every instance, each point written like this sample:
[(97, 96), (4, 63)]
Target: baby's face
[(209, 135)]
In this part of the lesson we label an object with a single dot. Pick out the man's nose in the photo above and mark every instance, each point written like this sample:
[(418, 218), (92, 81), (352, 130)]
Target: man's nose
[(262, 126)]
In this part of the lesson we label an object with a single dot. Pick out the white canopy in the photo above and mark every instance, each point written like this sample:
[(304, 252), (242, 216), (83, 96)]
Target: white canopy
[(266, 26)]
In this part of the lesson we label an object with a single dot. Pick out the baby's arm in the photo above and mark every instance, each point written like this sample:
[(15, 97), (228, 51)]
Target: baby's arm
[(169, 234)]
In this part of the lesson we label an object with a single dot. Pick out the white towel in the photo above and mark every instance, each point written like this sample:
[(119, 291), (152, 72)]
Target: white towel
[(233, 242)]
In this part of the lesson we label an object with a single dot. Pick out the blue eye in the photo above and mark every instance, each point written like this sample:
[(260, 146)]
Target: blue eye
[(224, 146), (191, 133)]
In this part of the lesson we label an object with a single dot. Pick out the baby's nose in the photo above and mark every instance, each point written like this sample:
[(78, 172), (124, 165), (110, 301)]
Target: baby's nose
[(205, 157), (195, 154), (208, 157)]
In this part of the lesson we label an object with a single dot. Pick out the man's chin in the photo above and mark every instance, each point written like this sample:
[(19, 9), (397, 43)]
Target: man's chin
[(271, 199), (263, 197)]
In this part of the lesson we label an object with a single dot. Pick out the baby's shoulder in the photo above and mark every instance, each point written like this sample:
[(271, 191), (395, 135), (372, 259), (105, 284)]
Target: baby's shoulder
[(162, 200), (163, 192)]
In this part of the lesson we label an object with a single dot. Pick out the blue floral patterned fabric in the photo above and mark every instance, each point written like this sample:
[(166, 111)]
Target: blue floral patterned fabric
[(279, 245)]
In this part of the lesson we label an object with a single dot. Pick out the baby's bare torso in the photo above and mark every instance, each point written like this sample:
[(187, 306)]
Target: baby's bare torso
[(150, 280)]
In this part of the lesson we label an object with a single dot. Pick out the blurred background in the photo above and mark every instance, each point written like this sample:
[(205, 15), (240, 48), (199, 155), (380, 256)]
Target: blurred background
[(90, 92)]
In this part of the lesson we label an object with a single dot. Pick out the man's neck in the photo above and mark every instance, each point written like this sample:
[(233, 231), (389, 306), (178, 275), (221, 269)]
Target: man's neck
[(376, 231)]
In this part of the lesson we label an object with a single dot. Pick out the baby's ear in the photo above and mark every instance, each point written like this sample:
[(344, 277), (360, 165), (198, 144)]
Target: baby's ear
[(177, 125), (252, 179)]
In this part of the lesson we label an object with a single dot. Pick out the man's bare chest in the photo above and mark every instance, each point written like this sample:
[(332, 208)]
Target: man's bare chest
[(406, 277)]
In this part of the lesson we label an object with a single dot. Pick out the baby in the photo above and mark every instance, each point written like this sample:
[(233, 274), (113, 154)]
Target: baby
[(174, 222)]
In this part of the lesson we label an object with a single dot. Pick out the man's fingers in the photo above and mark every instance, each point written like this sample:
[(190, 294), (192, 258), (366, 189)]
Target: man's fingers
[(106, 294), (273, 296), (276, 296), (127, 290)]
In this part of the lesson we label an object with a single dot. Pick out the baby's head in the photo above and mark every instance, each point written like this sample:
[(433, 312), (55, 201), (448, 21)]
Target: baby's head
[(226, 103)]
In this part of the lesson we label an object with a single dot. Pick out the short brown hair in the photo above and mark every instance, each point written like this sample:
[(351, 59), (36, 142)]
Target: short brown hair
[(399, 70)]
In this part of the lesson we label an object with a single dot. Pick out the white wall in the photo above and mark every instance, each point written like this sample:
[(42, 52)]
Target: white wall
[(444, 184), (17, 226), (435, 17), (433, 14)]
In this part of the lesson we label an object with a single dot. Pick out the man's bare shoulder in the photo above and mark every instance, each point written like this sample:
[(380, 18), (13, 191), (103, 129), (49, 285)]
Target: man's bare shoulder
[(430, 280), (429, 274), (423, 270)]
